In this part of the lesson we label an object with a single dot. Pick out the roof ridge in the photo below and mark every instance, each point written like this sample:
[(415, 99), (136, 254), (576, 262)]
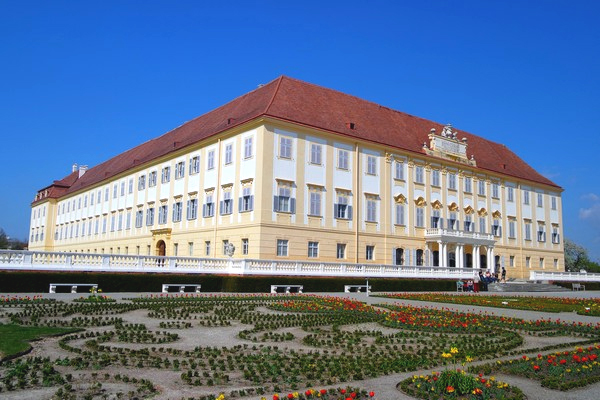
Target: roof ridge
[(279, 80)]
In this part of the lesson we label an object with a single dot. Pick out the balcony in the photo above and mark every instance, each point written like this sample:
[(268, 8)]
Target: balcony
[(459, 236)]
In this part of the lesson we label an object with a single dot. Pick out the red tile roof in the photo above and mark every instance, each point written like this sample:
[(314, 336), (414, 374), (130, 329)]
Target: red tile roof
[(314, 106)]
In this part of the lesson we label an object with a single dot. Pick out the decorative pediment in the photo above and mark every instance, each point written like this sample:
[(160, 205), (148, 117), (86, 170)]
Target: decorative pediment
[(482, 212), (469, 210), (453, 207), (448, 145), (436, 205), (420, 201), (497, 214), (400, 198)]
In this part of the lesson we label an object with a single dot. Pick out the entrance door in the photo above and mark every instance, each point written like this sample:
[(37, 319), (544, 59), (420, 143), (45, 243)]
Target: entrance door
[(161, 248), (452, 259), (469, 260), (436, 258)]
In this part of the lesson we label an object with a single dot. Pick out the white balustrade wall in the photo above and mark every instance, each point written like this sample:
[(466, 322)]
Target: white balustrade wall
[(84, 262), (563, 276)]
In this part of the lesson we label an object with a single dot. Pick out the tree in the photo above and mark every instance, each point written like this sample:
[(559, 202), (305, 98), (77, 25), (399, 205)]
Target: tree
[(576, 257), (4, 244)]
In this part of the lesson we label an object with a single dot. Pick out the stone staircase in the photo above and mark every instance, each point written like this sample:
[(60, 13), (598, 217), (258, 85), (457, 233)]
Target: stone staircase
[(525, 286)]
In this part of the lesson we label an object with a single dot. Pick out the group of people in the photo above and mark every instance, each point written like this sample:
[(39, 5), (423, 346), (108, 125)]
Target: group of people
[(481, 281)]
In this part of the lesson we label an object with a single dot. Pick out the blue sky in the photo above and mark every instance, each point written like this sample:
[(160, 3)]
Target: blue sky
[(82, 81)]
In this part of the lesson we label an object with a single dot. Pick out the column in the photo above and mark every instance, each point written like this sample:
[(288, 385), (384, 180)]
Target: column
[(459, 256), (444, 254), (492, 259), (476, 259)]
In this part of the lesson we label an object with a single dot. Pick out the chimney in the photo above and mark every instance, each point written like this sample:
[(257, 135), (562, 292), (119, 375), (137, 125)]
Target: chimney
[(82, 170), (74, 168)]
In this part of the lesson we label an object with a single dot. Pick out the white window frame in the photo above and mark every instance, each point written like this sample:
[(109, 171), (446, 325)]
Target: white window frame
[(285, 147), (343, 159), (282, 247)]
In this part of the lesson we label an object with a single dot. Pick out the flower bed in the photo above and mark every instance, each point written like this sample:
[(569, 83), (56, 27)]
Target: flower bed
[(562, 370)]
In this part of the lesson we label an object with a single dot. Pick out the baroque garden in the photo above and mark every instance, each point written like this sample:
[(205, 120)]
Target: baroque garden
[(226, 346)]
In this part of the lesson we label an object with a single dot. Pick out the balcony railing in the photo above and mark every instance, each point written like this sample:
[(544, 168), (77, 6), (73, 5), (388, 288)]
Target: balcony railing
[(563, 276), (437, 232), (84, 262)]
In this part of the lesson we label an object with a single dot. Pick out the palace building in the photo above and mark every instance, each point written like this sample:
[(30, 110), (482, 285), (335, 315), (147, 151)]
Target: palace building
[(294, 171)]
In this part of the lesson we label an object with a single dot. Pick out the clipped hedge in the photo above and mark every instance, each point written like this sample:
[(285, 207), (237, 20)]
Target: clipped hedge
[(36, 282)]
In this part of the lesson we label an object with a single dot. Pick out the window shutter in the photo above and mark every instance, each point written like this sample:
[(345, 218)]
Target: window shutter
[(221, 207), (251, 203), (240, 203), (204, 211), (292, 205), (335, 211), (394, 256), (275, 203), (441, 224), (349, 212)]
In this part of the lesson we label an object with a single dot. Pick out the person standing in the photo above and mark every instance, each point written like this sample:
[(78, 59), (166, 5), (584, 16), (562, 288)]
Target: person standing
[(503, 275)]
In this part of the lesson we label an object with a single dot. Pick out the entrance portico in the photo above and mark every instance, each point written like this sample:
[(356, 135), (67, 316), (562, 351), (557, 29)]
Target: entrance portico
[(458, 246)]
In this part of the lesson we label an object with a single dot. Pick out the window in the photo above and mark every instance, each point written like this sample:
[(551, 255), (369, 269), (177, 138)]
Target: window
[(313, 249), (103, 226), (226, 206), (481, 187), (208, 210), (495, 191), (553, 202), (177, 211), (91, 201), (105, 196), (542, 262), (525, 197), (419, 257), (527, 228), (370, 253), (120, 222), (195, 165), (342, 159), (315, 153), (285, 147), (435, 178), (399, 214), (210, 160), (420, 217), (510, 194), (541, 233), (248, 147), (283, 202), (468, 182), (128, 220), (129, 189), (207, 248), (282, 248), (452, 181), (123, 188), (555, 235), (180, 170), (150, 216), (246, 202), (166, 174), (142, 182), (511, 261), (482, 225), (371, 165), (496, 228), (419, 174), (190, 249), (540, 200), (225, 245), (341, 251), (114, 194), (556, 263), (315, 202), (152, 179), (453, 221), (162, 214), (228, 154), (192, 209), (512, 229), (469, 223), (371, 209), (99, 198), (341, 209), (436, 221), (245, 247), (399, 170)]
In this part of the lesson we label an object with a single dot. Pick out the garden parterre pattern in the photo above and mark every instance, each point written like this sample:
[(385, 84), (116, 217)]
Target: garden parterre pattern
[(254, 346)]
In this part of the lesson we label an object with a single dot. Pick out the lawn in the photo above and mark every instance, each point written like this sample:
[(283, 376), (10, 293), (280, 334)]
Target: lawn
[(16, 338)]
